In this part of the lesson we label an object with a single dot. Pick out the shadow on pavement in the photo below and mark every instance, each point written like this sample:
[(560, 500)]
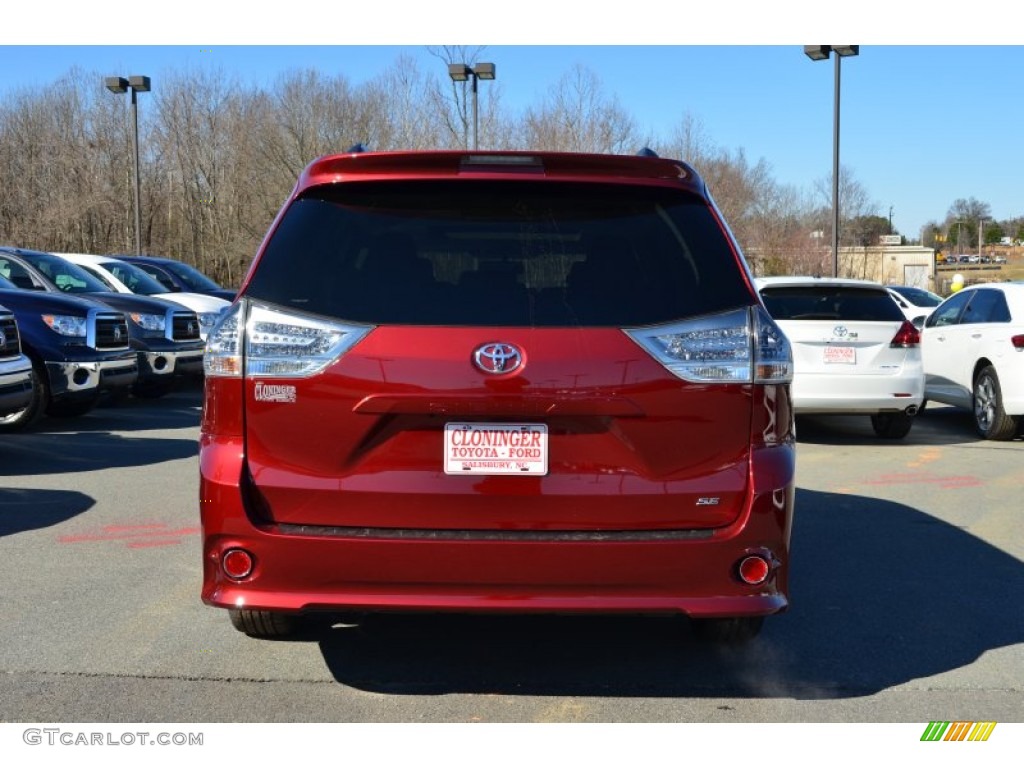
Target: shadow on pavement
[(49, 453), (882, 594), (26, 509)]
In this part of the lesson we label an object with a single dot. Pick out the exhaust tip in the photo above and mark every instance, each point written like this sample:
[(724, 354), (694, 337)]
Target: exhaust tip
[(911, 410)]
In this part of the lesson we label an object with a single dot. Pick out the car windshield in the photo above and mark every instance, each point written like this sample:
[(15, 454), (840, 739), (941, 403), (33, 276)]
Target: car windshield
[(919, 297), (830, 302), (190, 276), (66, 276), (514, 253), (134, 279)]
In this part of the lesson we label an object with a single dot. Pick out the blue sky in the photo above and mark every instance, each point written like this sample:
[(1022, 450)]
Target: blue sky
[(922, 125)]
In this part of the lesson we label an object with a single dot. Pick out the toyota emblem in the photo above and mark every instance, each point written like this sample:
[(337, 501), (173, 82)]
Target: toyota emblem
[(117, 332), (840, 331), (498, 358), (3, 339)]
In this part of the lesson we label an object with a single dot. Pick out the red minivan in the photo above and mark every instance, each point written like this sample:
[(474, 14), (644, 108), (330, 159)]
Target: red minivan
[(504, 382)]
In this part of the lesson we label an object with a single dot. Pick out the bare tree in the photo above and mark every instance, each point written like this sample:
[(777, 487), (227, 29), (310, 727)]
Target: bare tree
[(578, 116)]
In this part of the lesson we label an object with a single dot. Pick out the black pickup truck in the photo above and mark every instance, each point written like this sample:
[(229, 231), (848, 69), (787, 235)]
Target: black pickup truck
[(15, 368), (164, 334), (78, 348)]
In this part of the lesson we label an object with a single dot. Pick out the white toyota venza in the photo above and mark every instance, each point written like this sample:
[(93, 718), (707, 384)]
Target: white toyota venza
[(853, 349)]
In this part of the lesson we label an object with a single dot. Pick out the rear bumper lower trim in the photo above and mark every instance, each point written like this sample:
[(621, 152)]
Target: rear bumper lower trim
[(481, 535)]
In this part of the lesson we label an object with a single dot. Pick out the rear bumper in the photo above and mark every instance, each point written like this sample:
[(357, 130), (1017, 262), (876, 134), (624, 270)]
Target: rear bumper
[(814, 393), (692, 573)]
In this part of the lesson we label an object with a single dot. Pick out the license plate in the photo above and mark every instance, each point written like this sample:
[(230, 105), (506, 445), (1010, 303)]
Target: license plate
[(495, 449), (847, 355)]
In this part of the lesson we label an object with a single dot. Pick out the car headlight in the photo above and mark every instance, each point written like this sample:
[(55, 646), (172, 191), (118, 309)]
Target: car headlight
[(155, 323), (66, 325)]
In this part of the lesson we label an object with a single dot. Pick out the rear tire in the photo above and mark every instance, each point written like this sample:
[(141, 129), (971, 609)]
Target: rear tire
[(264, 624), (891, 426), (990, 419), (732, 631)]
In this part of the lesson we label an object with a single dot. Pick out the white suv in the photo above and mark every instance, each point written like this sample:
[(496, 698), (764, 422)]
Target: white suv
[(973, 346), (853, 350)]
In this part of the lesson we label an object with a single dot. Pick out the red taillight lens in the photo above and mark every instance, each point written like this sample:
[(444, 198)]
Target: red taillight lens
[(906, 336), (1017, 341), (237, 563), (753, 570)]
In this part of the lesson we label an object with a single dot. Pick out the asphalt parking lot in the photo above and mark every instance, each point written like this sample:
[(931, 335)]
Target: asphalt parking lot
[(907, 571)]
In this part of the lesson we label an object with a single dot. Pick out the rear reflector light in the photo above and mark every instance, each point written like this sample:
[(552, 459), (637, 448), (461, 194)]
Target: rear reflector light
[(275, 343), (753, 570), (906, 336), (237, 563), (741, 346), (1017, 341)]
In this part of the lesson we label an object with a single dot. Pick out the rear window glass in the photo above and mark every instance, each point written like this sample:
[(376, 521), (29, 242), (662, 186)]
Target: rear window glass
[(823, 302), (499, 254)]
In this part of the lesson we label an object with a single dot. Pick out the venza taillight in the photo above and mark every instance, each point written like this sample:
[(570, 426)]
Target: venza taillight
[(258, 340), (736, 347), (906, 336)]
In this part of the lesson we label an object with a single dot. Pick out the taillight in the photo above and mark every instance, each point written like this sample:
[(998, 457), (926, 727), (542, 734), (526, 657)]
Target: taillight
[(274, 343), (741, 346), (906, 336), (1017, 341), (224, 344)]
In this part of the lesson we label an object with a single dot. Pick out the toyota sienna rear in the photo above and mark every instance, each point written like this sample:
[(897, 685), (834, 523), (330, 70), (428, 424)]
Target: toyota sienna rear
[(507, 382)]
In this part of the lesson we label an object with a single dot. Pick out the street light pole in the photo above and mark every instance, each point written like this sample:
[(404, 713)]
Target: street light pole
[(460, 73), (137, 84), (821, 53)]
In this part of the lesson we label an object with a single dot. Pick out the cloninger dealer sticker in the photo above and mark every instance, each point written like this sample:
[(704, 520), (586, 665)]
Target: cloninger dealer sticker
[(495, 449)]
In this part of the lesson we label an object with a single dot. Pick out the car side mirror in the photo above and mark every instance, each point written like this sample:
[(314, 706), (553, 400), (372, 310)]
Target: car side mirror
[(918, 322)]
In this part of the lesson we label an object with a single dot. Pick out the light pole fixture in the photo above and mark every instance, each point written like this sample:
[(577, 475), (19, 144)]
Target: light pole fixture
[(459, 73), (137, 84), (820, 53)]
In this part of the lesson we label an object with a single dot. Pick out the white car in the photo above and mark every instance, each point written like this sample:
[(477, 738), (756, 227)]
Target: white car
[(853, 350), (123, 277), (973, 346), (916, 303)]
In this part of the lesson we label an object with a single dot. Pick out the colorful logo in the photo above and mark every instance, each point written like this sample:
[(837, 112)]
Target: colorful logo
[(958, 731)]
